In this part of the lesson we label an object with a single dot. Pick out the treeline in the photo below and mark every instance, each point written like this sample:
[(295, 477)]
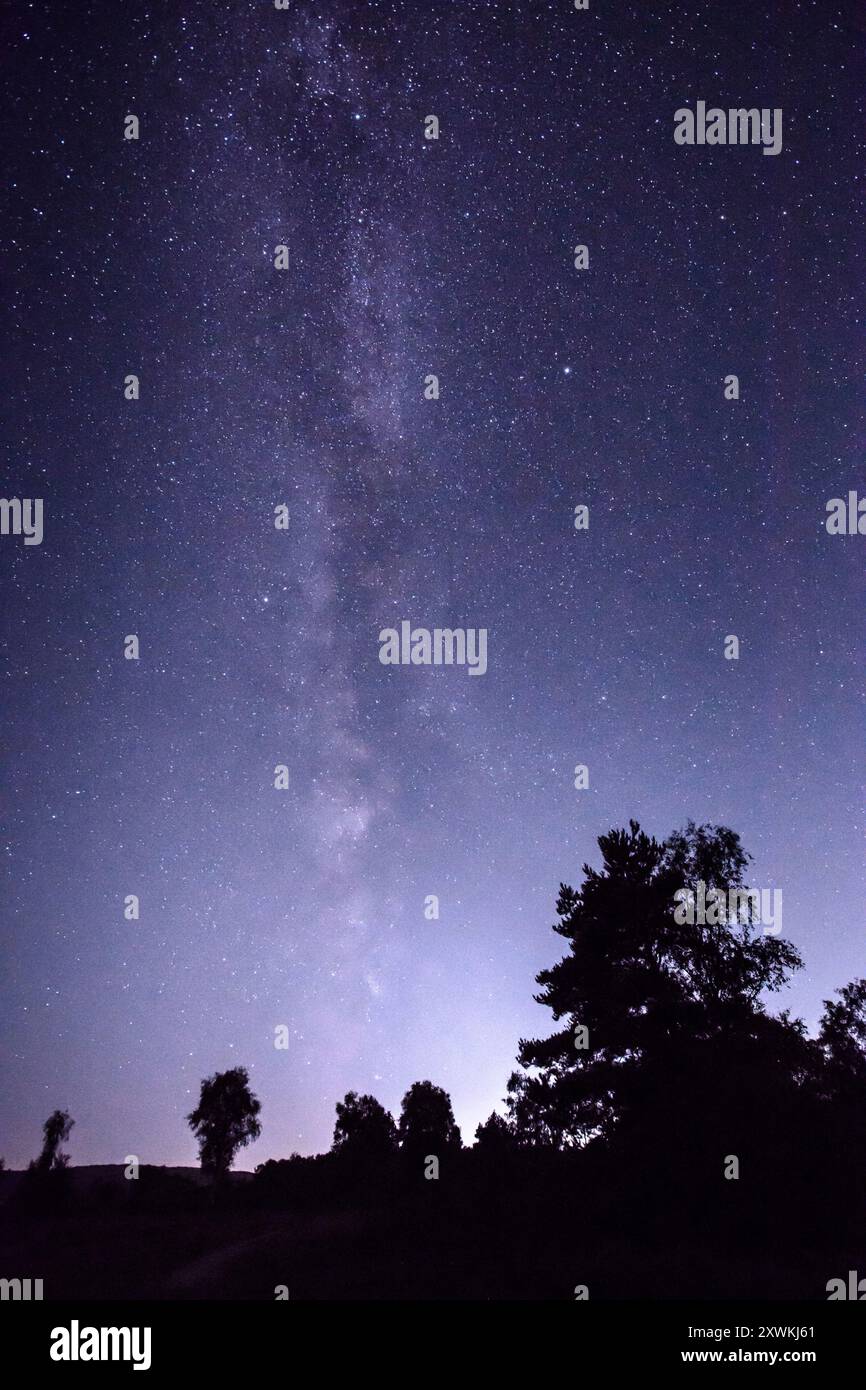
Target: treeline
[(667, 1098)]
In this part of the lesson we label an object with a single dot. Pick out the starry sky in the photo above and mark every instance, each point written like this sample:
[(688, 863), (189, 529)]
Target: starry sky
[(259, 387)]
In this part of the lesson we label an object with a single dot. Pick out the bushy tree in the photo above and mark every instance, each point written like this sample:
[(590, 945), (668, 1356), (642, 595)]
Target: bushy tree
[(534, 1117), (427, 1125), (648, 1003), (225, 1119), (842, 1039), (494, 1136), (364, 1131)]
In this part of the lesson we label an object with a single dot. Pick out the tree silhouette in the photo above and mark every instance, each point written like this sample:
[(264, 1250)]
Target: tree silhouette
[(56, 1131), (650, 1003), (494, 1137), (843, 1036), (364, 1131), (427, 1125), (225, 1119), (533, 1112)]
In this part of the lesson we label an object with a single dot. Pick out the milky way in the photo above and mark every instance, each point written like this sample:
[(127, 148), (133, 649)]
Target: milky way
[(305, 388)]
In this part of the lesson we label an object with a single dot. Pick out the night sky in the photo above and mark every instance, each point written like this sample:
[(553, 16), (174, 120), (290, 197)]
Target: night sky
[(259, 647)]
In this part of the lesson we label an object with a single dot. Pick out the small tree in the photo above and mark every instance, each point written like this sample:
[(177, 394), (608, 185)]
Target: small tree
[(56, 1130), (225, 1119), (494, 1137)]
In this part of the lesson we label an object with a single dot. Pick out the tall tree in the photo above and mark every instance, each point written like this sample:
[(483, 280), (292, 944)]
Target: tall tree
[(427, 1125), (642, 995), (56, 1131), (225, 1119)]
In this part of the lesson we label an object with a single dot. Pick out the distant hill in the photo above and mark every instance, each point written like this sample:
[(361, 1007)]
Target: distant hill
[(91, 1175)]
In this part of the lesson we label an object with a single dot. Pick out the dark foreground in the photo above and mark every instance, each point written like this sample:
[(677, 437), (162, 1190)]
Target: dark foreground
[(521, 1227)]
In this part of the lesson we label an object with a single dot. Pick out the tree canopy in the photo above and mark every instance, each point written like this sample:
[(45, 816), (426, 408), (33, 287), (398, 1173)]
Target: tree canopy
[(646, 999), (364, 1130), (427, 1124), (225, 1119)]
